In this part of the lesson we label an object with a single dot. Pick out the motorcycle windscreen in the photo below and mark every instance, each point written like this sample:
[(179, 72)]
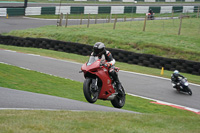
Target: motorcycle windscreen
[(184, 82), (92, 59)]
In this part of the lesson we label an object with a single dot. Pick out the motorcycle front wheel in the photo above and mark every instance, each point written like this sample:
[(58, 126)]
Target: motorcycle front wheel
[(90, 94), (189, 91), (119, 100)]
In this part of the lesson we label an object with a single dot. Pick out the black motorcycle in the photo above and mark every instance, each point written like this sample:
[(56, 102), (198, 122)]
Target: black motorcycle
[(182, 86)]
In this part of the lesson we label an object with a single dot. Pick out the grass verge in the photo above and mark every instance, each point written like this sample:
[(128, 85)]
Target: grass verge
[(98, 122), (107, 16)]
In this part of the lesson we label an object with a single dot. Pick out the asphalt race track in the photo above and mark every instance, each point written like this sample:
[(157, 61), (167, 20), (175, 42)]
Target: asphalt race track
[(15, 99), (147, 86), (21, 23)]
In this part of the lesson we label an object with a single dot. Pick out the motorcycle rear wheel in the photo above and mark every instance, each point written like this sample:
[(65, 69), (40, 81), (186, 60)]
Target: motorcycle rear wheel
[(119, 100), (90, 95)]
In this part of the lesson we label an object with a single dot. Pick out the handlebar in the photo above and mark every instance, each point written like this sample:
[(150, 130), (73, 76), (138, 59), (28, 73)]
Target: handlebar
[(102, 64)]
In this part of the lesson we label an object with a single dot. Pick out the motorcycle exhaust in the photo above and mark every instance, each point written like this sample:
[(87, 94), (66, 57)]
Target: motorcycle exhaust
[(111, 97)]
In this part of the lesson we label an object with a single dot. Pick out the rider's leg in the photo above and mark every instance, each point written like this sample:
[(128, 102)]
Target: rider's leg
[(115, 77)]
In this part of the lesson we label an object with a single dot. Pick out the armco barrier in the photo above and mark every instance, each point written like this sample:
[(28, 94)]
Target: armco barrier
[(147, 60), (96, 10)]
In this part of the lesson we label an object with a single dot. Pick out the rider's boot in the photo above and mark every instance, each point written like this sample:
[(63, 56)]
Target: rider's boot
[(177, 87)]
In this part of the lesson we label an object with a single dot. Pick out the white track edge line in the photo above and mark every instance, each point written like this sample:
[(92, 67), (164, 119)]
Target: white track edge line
[(166, 103), (38, 109)]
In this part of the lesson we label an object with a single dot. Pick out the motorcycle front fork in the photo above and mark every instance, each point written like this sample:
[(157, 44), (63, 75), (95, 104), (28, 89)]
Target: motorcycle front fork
[(94, 84)]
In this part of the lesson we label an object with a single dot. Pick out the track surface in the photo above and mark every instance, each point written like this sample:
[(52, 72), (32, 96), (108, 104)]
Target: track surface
[(20, 23), (15, 99), (147, 86)]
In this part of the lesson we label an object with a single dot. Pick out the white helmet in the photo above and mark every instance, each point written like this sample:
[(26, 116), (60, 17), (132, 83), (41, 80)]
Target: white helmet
[(176, 71)]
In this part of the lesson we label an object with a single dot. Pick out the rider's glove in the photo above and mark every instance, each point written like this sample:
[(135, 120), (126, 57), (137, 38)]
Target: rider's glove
[(107, 64)]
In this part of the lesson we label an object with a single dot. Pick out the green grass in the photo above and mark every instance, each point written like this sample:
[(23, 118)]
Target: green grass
[(91, 16), (107, 16), (98, 122), (83, 59), (16, 78), (160, 37)]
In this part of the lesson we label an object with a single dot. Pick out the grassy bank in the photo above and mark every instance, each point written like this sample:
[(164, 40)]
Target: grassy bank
[(108, 16), (160, 37), (98, 122), (83, 59)]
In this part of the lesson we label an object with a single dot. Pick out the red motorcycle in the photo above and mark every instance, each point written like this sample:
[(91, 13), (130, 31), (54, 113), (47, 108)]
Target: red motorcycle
[(99, 85), (150, 16)]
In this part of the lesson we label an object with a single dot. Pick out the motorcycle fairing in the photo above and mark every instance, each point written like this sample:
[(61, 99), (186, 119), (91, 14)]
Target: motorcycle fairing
[(102, 73), (106, 84)]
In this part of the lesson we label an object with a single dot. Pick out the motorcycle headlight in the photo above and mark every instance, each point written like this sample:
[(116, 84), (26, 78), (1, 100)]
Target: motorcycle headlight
[(186, 83), (88, 64)]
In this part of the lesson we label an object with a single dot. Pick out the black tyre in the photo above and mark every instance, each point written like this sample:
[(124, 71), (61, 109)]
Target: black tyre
[(90, 95), (189, 91), (119, 100)]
